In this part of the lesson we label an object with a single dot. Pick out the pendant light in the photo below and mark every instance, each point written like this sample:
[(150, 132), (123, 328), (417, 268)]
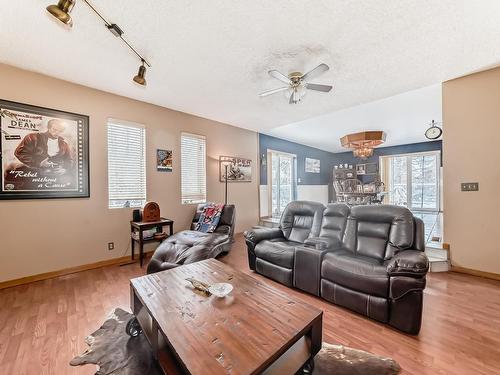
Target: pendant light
[(140, 78), (363, 143), (62, 10)]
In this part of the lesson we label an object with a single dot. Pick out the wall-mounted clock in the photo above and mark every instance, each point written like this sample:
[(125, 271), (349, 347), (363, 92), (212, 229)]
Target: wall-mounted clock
[(434, 131)]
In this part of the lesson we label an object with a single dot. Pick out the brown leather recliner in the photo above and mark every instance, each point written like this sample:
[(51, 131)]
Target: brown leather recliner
[(271, 251), (378, 268), (189, 246)]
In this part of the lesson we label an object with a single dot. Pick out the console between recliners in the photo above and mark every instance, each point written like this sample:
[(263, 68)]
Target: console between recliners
[(369, 259)]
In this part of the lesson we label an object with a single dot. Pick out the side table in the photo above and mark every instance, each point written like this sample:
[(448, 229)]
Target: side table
[(140, 227)]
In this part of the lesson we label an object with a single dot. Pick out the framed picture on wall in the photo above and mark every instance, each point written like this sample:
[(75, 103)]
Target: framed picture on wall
[(44, 153), (360, 169), (239, 169), (313, 165), (164, 160)]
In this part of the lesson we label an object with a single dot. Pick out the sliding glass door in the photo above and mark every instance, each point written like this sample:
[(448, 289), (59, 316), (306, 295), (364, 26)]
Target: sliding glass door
[(283, 185), (424, 182), (412, 180)]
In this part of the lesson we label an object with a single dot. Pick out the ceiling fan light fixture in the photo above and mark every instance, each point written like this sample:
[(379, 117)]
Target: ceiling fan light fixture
[(297, 84), (140, 78), (62, 11), (295, 94)]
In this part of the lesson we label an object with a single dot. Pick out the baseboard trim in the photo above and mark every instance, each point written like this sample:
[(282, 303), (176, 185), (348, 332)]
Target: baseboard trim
[(65, 271), (70, 270), (468, 271)]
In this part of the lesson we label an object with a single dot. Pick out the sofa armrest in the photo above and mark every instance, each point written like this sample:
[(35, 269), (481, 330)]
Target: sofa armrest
[(323, 243), (260, 234), (413, 263)]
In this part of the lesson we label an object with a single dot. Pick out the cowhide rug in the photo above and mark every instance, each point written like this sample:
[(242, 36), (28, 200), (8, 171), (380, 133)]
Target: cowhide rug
[(116, 353)]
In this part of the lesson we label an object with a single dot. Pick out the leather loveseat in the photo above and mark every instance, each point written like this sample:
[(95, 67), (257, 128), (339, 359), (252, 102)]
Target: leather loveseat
[(369, 259), (189, 246)]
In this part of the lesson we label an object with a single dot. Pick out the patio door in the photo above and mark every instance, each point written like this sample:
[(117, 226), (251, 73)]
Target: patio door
[(281, 173), (413, 180)]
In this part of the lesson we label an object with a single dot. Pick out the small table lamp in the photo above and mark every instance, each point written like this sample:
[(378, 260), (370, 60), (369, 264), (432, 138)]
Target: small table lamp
[(226, 164)]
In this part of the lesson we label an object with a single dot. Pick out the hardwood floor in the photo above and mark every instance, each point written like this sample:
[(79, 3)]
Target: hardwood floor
[(43, 324)]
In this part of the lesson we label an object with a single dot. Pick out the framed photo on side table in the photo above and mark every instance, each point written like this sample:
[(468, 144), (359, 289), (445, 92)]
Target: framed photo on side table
[(44, 153)]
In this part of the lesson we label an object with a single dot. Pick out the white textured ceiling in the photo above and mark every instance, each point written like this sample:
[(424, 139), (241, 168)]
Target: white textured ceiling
[(211, 58), (404, 118)]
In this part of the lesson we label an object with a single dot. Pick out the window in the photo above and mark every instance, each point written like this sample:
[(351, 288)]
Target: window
[(126, 165), (193, 169)]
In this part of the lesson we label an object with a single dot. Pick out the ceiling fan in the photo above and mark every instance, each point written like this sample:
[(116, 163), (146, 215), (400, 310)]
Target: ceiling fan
[(297, 83)]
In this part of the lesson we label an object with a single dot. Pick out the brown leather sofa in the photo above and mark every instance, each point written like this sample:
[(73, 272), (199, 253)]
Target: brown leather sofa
[(189, 246), (369, 259)]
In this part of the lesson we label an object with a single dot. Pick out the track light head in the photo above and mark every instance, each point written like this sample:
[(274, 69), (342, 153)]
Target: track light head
[(140, 78), (62, 10)]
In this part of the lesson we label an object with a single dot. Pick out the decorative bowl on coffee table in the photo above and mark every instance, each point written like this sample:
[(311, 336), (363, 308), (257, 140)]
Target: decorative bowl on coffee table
[(220, 289)]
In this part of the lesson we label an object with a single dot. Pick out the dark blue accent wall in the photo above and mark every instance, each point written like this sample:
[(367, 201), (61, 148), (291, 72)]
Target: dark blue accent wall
[(329, 159)]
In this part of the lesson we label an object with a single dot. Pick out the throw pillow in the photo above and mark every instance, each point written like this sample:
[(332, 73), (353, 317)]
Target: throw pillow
[(209, 218)]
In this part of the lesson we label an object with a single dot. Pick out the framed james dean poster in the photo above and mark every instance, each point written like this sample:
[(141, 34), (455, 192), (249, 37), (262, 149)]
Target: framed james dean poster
[(44, 153)]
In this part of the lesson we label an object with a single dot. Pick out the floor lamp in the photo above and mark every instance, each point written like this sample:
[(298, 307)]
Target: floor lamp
[(226, 165)]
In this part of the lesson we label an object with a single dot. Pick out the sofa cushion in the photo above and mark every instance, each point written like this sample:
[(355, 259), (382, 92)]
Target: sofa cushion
[(382, 230), (278, 251), (301, 219), (334, 222), (361, 273)]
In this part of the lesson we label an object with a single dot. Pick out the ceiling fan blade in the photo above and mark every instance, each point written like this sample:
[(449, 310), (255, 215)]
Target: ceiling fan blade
[(279, 76), (315, 86), (273, 91), (321, 68)]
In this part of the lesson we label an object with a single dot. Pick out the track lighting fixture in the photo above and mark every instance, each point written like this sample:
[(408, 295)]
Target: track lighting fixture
[(140, 78), (61, 12)]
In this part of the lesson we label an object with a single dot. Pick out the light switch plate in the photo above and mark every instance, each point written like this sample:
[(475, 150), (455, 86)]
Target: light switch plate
[(469, 186)]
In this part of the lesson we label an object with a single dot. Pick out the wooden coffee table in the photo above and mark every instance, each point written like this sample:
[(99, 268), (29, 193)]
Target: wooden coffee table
[(255, 329)]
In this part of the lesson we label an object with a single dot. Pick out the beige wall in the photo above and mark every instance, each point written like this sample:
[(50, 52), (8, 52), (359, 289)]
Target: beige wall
[(46, 235), (471, 152)]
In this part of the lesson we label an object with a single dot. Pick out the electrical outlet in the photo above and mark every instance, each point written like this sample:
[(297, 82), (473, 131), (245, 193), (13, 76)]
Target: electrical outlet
[(469, 186), (111, 246)]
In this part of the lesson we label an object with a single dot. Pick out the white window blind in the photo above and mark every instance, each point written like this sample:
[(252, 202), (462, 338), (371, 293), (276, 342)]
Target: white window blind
[(126, 165), (193, 168)]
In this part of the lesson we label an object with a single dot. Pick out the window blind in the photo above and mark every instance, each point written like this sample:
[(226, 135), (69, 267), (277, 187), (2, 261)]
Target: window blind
[(126, 165), (193, 168)]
